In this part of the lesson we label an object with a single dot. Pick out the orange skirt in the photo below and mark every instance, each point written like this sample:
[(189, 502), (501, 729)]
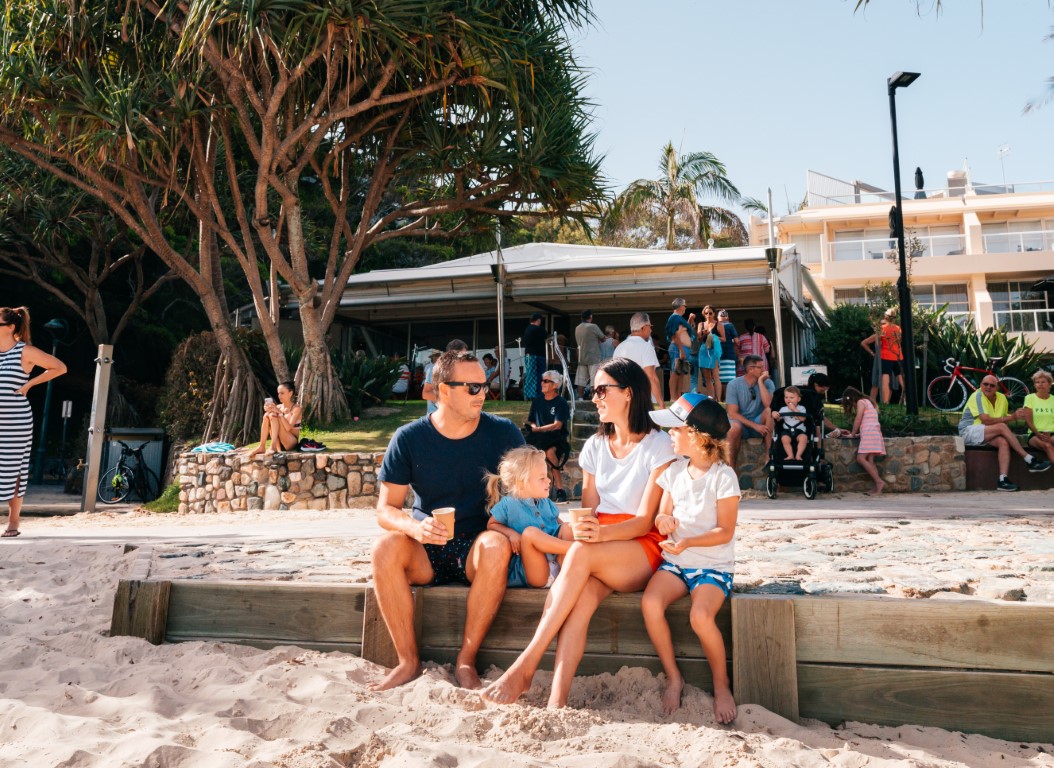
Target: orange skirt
[(649, 542)]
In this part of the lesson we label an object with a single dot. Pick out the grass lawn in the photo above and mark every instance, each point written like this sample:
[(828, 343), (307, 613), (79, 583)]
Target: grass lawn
[(369, 435)]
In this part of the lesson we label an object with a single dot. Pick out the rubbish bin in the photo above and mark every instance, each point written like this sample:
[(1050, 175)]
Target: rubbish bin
[(152, 440)]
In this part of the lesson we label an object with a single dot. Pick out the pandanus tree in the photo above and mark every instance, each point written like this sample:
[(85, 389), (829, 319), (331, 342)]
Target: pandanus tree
[(673, 202), (407, 118)]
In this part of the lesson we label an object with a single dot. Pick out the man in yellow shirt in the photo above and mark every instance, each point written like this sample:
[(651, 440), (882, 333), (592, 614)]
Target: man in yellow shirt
[(984, 422)]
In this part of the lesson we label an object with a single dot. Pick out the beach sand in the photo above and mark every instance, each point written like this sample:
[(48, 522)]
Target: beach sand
[(72, 696)]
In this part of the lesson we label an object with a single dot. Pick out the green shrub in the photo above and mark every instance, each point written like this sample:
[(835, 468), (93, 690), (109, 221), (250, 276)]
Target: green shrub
[(366, 380), (184, 403), (974, 348), (168, 501), (838, 346)]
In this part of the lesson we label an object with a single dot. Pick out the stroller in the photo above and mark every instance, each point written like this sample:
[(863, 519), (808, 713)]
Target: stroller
[(813, 473)]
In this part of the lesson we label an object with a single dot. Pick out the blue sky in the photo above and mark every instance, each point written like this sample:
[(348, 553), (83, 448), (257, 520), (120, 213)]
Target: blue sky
[(777, 87)]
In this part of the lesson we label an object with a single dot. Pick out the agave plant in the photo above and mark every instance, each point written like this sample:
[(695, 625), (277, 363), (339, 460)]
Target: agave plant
[(963, 342)]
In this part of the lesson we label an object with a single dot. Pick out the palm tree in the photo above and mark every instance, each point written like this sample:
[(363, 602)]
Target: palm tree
[(674, 197)]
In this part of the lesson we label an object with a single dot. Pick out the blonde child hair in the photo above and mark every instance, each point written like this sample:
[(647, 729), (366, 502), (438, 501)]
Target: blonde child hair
[(514, 473), (711, 448)]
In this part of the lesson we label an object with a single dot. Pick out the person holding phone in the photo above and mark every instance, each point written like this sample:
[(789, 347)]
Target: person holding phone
[(281, 421)]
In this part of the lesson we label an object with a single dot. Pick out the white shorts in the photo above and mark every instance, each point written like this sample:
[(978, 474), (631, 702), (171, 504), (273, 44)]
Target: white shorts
[(973, 434)]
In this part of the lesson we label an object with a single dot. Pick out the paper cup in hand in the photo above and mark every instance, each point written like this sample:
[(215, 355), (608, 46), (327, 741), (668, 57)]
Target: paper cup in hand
[(578, 513), (445, 516)]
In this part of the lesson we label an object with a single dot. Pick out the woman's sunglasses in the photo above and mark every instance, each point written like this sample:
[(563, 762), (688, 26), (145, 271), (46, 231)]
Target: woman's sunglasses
[(600, 391), (473, 387)]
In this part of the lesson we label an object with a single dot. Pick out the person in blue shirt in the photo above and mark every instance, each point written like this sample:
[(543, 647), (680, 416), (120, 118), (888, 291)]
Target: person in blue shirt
[(527, 518), (443, 458)]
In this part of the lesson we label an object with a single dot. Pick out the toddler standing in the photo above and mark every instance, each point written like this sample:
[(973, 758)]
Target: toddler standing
[(867, 428), (698, 511), (527, 517)]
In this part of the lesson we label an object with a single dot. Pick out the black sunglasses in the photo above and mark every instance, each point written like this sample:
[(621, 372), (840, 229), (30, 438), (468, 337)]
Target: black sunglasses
[(473, 387), (600, 391)]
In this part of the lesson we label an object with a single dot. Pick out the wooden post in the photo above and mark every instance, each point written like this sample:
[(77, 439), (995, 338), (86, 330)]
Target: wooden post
[(764, 663), (140, 609), (377, 645), (97, 428)]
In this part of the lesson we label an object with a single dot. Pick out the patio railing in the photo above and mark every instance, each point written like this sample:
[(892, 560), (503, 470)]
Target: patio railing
[(1020, 242), (1025, 319), (876, 248)]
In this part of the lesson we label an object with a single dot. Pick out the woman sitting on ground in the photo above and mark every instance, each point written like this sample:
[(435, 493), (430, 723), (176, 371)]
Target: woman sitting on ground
[(618, 549), (281, 421)]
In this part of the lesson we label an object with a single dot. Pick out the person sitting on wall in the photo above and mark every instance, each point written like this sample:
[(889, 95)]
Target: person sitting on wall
[(749, 403), (984, 422), (547, 427)]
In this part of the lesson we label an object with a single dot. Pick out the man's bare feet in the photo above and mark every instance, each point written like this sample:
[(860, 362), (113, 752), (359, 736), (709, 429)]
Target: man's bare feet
[(879, 485), (507, 688), (671, 697), (724, 706), (401, 674), (467, 676)]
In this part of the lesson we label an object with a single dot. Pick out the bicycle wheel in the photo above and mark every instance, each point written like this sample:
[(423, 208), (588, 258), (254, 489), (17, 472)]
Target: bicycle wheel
[(114, 485), (1015, 391), (147, 484), (946, 394)]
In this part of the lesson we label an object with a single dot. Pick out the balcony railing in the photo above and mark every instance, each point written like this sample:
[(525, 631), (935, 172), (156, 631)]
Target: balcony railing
[(1020, 242), (876, 248), (1025, 319)]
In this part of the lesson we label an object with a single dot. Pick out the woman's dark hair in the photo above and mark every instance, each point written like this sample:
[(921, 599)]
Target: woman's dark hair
[(630, 375), (19, 318), (749, 324), (290, 385)]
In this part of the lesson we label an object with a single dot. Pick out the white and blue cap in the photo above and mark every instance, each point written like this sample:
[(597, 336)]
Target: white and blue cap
[(697, 411)]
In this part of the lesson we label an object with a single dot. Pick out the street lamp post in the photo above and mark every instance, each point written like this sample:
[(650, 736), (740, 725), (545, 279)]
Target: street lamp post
[(58, 328), (903, 80)]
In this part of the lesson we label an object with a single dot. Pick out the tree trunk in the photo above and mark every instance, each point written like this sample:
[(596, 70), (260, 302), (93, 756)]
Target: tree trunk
[(321, 392)]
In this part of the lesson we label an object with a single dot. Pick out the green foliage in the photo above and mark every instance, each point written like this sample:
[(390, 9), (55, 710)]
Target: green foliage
[(366, 380), (965, 343), (188, 387), (838, 346), (895, 421), (168, 501)]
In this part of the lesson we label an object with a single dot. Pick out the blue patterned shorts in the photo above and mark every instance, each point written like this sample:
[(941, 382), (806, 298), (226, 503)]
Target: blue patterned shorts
[(694, 577), (448, 560)]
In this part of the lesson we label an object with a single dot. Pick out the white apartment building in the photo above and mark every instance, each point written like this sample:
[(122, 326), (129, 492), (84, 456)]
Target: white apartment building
[(986, 250)]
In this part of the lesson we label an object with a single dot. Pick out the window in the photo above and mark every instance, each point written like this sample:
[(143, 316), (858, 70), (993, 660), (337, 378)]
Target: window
[(850, 296), (1018, 307), (935, 296), (809, 248), (860, 244)]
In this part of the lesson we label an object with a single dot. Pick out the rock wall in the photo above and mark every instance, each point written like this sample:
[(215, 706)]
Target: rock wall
[(226, 482)]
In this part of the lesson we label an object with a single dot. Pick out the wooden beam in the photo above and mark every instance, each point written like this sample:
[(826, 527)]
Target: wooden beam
[(377, 643), (267, 611), (140, 570), (888, 631), (140, 609), (763, 667), (1004, 705)]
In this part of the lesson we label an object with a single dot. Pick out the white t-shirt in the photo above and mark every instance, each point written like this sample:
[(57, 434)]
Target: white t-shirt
[(621, 483), (695, 507), (638, 350)]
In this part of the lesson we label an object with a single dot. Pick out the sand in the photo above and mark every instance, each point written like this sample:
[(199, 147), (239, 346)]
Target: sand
[(72, 696)]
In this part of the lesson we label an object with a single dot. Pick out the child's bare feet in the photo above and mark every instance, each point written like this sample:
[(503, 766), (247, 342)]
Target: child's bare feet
[(671, 697), (879, 485), (724, 706), (790, 456)]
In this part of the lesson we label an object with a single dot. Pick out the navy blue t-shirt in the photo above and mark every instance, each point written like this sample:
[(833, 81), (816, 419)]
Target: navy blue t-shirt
[(449, 473), (728, 347), (545, 412)]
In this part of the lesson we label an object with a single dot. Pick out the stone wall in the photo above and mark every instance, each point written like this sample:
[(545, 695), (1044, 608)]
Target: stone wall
[(225, 482)]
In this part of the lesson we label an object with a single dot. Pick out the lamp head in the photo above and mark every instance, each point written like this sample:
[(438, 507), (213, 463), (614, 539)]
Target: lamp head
[(58, 327), (901, 80)]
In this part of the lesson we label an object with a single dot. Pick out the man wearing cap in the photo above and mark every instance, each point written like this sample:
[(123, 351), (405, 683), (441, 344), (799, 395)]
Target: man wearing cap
[(679, 335), (588, 336), (749, 403), (638, 348), (533, 340)]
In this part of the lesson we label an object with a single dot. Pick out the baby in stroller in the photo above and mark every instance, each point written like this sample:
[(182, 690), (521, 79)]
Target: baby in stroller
[(792, 424)]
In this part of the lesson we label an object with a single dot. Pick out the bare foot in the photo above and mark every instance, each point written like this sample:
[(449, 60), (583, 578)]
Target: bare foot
[(724, 706), (507, 688), (402, 673), (255, 451), (671, 697), (879, 485), (467, 676)]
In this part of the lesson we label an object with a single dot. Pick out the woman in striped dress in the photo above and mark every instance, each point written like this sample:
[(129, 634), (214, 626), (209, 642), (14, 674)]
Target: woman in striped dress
[(867, 428), (17, 361)]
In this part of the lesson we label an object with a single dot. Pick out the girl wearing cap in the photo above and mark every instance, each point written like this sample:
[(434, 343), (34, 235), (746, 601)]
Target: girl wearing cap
[(618, 548), (697, 512)]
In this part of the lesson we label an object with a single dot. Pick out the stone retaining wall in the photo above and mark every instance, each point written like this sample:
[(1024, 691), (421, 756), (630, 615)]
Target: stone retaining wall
[(225, 482)]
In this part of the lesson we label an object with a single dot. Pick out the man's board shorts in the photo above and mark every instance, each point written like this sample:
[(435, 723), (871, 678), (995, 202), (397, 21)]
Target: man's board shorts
[(449, 560), (649, 542), (973, 434), (696, 577)]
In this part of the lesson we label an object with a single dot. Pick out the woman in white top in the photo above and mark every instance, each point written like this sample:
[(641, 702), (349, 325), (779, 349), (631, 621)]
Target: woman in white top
[(615, 550)]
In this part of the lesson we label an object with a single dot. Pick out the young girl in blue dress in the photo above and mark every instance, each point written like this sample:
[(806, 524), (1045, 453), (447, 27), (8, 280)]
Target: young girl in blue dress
[(527, 516)]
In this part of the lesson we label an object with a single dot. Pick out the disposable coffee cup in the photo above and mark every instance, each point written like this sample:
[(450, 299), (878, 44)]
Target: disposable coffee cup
[(445, 516), (577, 513)]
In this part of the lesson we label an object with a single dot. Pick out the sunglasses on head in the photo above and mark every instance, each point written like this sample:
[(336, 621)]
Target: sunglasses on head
[(473, 387), (600, 391)]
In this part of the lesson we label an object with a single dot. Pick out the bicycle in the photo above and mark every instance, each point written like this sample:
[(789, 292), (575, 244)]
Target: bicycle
[(949, 392), (127, 476)]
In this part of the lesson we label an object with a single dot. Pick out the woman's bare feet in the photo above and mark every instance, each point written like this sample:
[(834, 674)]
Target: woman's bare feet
[(507, 688), (671, 697), (724, 705), (255, 451), (400, 674)]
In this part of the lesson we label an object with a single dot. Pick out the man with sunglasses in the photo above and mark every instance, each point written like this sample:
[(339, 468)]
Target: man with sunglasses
[(443, 458), (984, 422), (749, 403)]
